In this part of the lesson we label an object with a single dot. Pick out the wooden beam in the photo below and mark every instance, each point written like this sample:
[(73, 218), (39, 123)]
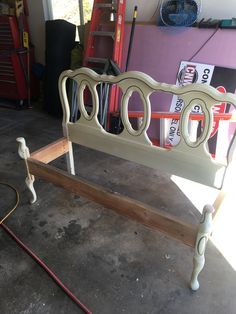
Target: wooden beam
[(52, 151), (125, 206)]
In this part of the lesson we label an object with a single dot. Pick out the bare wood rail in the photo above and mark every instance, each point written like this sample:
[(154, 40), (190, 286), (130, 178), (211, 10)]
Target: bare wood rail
[(125, 206)]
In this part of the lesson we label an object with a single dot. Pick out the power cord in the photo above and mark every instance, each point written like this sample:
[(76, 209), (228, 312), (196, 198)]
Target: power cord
[(156, 10), (16, 204), (204, 44)]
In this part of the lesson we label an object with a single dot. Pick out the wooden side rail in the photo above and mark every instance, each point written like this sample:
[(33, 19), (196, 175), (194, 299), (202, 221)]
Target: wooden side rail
[(125, 206), (52, 151)]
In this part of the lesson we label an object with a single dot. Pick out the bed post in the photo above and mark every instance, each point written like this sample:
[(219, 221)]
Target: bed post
[(23, 151), (70, 160), (204, 231)]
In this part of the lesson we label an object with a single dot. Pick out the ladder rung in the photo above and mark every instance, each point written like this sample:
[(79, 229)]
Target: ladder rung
[(104, 5), (97, 60), (102, 33), (6, 66), (7, 81), (6, 70)]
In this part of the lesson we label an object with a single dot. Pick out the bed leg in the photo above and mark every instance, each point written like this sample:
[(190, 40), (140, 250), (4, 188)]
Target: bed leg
[(204, 231), (70, 160), (23, 151)]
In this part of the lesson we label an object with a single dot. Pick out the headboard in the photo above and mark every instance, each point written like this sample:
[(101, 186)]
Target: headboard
[(188, 159)]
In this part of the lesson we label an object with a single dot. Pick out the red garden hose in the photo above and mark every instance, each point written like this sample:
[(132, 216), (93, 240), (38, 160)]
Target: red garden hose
[(39, 261)]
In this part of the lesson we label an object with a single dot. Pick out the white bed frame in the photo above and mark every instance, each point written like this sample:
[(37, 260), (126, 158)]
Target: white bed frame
[(188, 159)]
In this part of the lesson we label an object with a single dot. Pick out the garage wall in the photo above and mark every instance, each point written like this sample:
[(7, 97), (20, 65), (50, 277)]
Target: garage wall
[(146, 13), (37, 28), (218, 10), (210, 8), (154, 52)]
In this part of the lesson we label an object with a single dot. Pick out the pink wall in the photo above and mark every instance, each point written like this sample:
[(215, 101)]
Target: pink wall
[(158, 51)]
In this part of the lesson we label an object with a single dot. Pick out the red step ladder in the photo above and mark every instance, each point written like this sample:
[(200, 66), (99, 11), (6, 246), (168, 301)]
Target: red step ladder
[(105, 41), (14, 58)]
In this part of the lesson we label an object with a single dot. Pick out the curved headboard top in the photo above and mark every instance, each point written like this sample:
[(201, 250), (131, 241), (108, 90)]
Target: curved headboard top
[(187, 159)]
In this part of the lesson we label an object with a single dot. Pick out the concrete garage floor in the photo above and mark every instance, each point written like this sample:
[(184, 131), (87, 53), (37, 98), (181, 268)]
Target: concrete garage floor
[(112, 264)]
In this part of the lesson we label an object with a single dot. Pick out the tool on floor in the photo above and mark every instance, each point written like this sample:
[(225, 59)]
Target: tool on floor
[(105, 41), (131, 37), (34, 256)]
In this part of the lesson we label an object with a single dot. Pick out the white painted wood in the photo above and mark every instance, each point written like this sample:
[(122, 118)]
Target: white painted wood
[(163, 132), (188, 159), (227, 192), (222, 134), (23, 152), (204, 231), (29, 181), (70, 160)]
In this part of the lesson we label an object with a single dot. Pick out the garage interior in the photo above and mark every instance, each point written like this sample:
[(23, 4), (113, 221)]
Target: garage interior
[(110, 263)]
